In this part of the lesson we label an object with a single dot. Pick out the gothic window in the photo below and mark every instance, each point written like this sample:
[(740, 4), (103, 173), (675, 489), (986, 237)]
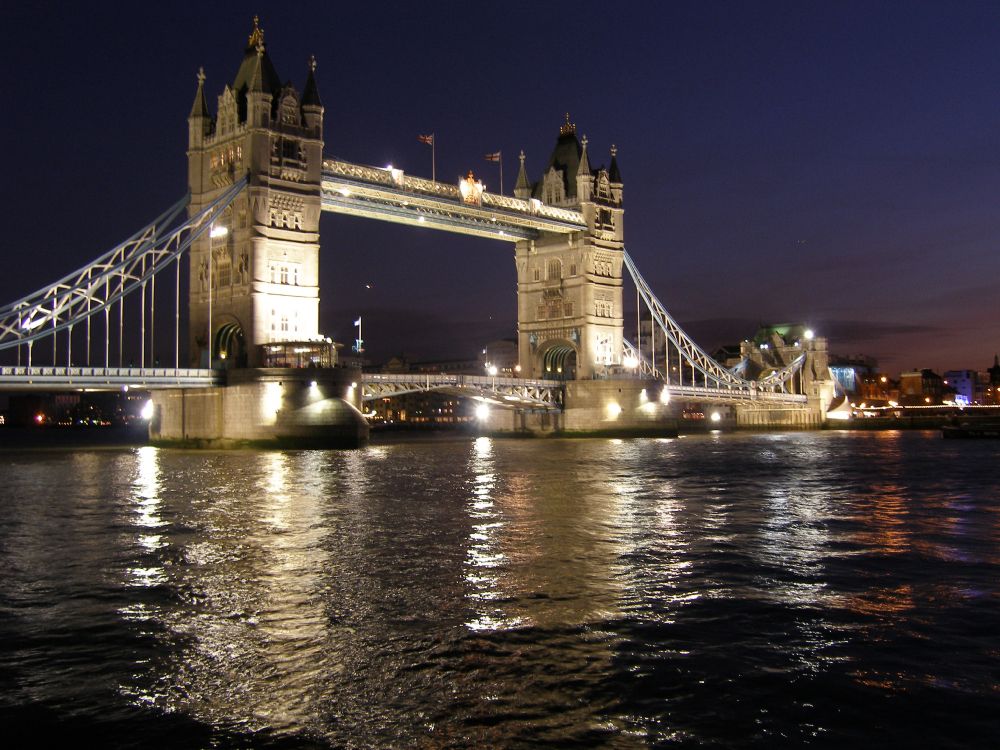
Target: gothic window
[(554, 272), (284, 324), (290, 150), (224, 272), (572, 269), (568, 309), (537, 274), (295, 275)]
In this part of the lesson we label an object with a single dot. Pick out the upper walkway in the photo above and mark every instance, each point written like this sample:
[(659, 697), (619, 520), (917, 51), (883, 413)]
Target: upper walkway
[(391, 195)]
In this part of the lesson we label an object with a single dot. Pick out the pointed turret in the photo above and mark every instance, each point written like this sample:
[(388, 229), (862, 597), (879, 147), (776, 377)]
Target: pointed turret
[(584, 179), (615, 176), (558, 183), (256, 72), (259, 99), (614, 173), (522, 188), (995, 371), (199, 121), (200, 106), (312, 105)]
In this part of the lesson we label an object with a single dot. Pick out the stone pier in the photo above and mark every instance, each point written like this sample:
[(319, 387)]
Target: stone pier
[(311, 407)]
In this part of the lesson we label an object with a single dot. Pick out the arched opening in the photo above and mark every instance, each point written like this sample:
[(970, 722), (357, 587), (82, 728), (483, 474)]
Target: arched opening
[(559, 362), (230, 346)]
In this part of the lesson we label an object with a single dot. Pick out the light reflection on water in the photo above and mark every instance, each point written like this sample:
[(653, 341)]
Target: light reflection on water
[(492, 593)]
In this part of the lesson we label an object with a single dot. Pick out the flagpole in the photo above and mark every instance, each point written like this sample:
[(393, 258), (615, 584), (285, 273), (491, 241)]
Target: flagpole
[(501, 171), (433, 159)]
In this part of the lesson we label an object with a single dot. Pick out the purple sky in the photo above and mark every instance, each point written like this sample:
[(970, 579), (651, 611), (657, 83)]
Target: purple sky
[(832, 163)]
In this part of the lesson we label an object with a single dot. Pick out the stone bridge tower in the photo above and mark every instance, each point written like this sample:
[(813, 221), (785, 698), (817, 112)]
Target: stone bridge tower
[(569, 288), (255, 280)]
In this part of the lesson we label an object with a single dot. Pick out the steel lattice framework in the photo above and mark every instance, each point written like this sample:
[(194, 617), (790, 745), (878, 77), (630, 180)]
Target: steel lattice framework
[(509, 392), (716, 379), (130, 267)]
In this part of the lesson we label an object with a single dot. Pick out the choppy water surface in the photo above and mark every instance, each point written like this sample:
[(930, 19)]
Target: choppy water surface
[(733, 591)]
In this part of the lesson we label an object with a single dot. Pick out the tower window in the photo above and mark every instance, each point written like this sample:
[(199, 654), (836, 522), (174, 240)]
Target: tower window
[(554, 271)]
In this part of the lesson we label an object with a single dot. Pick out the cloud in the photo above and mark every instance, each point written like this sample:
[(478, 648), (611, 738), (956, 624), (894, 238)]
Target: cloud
[(868, 330)]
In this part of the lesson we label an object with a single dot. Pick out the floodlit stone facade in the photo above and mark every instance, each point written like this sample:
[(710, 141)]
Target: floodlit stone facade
[(569, 287), (254, 278)]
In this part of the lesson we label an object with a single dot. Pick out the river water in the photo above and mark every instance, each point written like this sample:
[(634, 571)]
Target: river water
[(748, 590)]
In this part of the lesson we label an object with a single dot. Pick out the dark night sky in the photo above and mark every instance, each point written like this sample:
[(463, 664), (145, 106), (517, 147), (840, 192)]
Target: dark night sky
[(833, 163)]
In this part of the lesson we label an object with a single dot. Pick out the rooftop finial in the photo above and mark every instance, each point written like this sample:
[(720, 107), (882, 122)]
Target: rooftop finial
[(584, 140), (312, 63), (257, 35), (567, 127), (521, 157), (614, 151), (201, 76)]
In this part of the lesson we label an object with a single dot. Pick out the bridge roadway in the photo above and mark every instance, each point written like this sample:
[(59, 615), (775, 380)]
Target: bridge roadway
[(500, 391)]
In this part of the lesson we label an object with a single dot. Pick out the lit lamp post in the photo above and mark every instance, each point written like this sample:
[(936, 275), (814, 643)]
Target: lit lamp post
[(217, 231)]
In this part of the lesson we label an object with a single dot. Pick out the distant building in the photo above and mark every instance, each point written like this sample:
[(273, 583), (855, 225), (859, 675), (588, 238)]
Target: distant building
[(879, 387), (401, 364), (429, 409), (501, 354), (852, 373), (920, 388), (965, 384), (990, 383)]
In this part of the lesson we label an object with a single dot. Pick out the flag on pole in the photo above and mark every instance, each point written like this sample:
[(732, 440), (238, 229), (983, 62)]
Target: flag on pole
[(357, 322), (429, 140), (497, 156)]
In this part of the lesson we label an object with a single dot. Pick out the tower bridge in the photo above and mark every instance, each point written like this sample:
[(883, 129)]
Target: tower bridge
[(248, 234)]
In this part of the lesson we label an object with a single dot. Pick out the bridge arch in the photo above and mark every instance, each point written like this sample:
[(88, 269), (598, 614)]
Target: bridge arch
[(558, 360), (230, 345)]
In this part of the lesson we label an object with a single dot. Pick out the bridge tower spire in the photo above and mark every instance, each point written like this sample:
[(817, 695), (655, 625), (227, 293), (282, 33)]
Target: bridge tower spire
[(570, 316), (254, 278)]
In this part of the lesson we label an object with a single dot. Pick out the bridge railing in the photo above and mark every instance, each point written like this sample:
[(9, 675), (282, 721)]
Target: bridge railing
[(105, 378)]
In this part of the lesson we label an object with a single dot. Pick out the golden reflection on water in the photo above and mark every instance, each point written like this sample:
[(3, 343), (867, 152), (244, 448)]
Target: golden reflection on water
[(146, 516), (485, 557), (247, 628), (647, 519), (540, 549)]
